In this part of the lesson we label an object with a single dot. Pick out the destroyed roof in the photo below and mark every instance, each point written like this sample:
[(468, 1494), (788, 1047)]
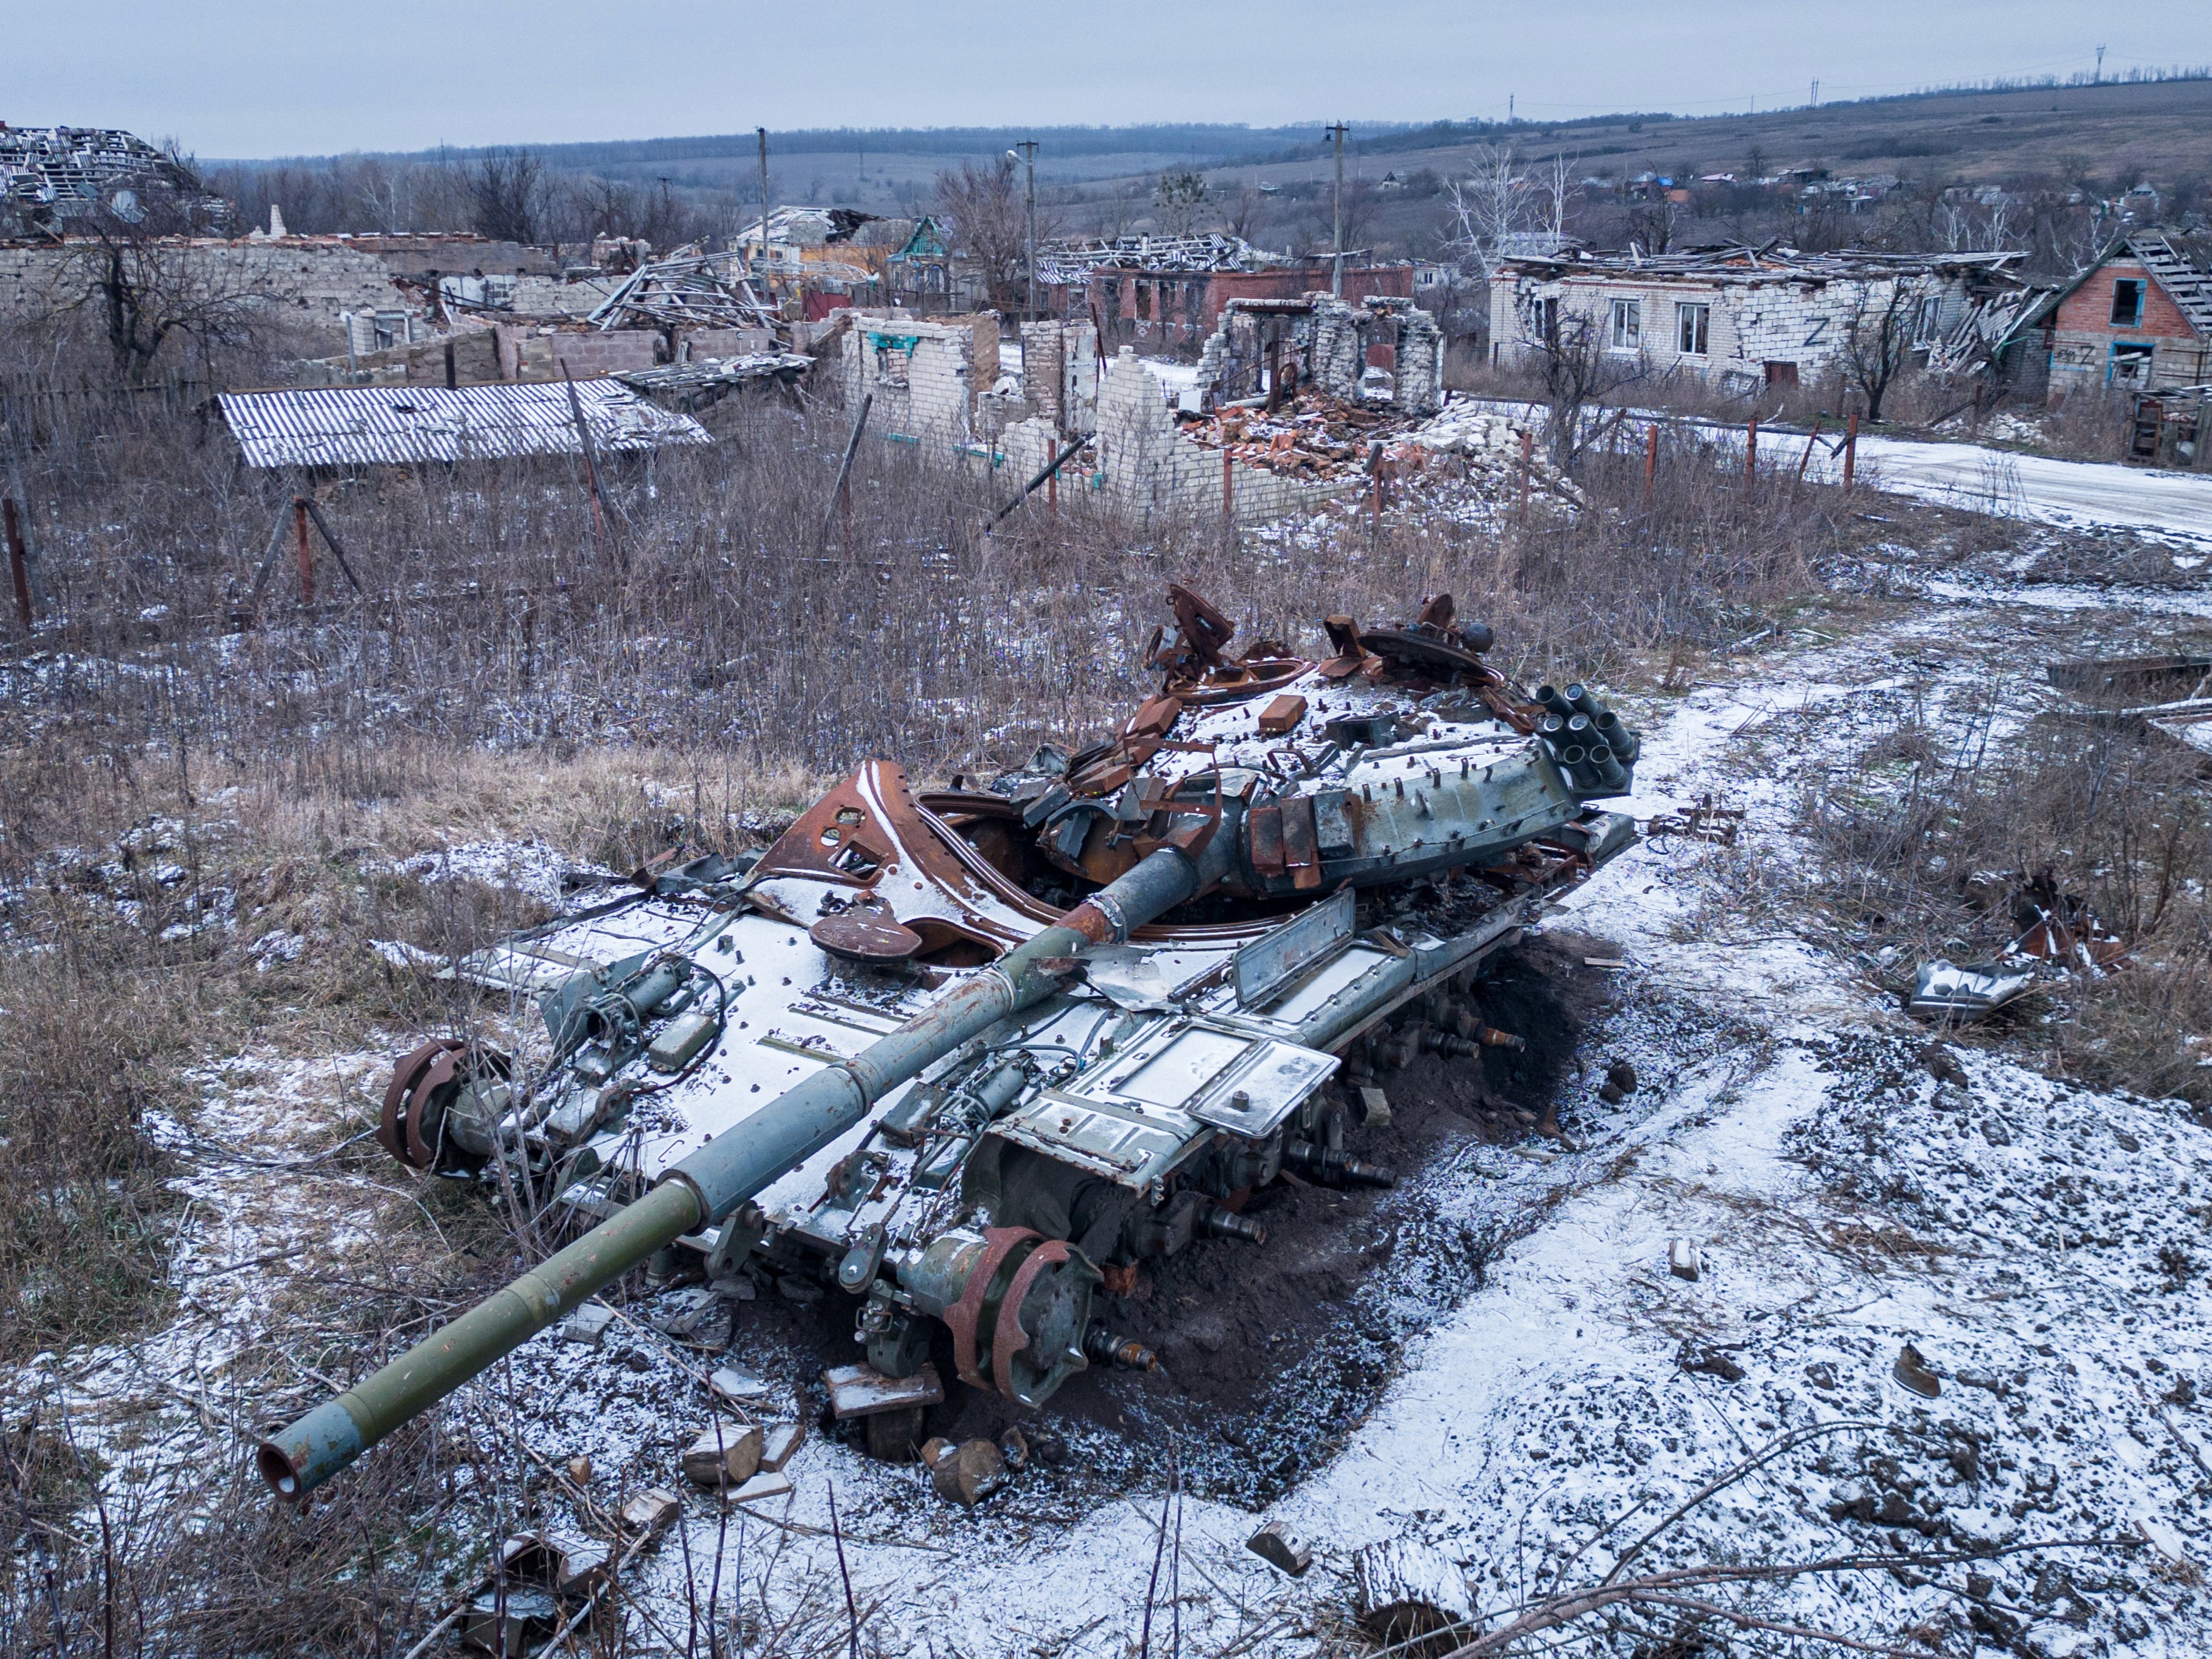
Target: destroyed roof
[(1989, 326), (809, 227), (57, 173), (1073, 260), (687, 289), (2188, 284), (395, 426), (1741, 262), (704, 380)]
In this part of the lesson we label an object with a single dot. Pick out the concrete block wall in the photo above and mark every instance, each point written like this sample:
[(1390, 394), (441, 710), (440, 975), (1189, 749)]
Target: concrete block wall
[(307, 284), (1060, 374), (549, 296), (726, 341), (525, 355), (1750, 324), (1152, 471), (921, 374)]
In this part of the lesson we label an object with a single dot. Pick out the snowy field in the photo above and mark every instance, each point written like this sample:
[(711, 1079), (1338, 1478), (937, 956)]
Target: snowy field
[(1851, 1189)]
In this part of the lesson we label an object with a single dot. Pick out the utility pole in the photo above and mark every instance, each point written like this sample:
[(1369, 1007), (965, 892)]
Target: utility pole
[(2100, 66), (762, 133), (1025, 152), (1336, 261), (1816, 92)]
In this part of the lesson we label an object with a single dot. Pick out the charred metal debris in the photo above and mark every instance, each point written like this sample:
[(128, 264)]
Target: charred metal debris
[(968, 1055)]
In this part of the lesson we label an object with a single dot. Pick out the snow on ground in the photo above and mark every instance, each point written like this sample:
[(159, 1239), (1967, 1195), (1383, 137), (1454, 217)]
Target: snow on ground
[(1977, 478), (1851, 1187), (2038, 487), (1847, 1202)]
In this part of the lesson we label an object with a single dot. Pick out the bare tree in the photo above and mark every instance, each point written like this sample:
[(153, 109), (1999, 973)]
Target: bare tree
[(1245, 214), (1178, 200), (141, 283), (506, 193), (1494, 202), (981, 204), (1880, 335), (1118, 208), (1578, 367)]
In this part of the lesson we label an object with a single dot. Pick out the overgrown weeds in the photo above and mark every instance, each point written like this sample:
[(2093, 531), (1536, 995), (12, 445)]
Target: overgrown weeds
[(207, 801), (1934, 839)]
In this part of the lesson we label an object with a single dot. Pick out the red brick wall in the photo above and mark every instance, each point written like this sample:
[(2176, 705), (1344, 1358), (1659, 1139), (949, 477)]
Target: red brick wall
[(2089, 309), (1296, 282)]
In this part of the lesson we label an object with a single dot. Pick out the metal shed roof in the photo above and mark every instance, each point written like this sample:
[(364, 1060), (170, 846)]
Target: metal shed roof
[(393, 426)]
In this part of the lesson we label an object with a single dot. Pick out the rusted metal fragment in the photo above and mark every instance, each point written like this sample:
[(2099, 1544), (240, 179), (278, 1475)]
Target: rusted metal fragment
[(866, 934), (1282, 714)]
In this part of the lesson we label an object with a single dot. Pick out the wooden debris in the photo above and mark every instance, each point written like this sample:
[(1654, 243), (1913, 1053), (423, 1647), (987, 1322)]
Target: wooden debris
[(965, 1474), (650, 1510), (782, 1444), (588, 1324), (761, 1487), (862, 1390), (1279, 1548), (723, 1457)]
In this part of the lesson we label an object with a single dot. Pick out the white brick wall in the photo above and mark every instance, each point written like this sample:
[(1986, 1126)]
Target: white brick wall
[(307, 284)]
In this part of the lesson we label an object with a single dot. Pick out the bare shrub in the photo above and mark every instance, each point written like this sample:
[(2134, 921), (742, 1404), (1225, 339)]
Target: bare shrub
[(1930, 837)]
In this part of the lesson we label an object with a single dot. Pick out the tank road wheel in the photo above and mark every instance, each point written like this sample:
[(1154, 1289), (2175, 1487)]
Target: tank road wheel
[(425, 1085)]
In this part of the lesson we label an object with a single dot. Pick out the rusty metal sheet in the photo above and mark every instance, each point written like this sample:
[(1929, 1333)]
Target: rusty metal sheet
[(1264, 832), (866, 934), (1282, 714), (1301, 842)]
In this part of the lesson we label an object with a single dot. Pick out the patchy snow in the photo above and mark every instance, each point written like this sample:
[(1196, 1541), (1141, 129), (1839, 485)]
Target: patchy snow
[(1848, 1192)]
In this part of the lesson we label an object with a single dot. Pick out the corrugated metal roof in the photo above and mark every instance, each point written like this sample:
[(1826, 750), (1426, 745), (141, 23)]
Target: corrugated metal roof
[(396, 425)]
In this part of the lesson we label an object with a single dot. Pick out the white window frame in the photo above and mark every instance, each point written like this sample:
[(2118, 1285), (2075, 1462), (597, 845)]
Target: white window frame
[(1624, 330), (1693, 321)]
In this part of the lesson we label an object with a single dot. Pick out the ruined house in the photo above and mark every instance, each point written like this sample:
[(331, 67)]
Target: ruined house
[(51, 175), (1740, 316), (928, 378), (2140, 318), (1171, 290), (1379, 349)]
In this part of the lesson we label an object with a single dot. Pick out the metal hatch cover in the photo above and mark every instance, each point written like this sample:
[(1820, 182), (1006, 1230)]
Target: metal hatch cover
[(1218, 1076), (1269, 963)]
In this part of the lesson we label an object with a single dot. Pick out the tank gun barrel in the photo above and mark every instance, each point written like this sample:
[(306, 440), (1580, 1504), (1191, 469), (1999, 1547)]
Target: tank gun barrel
[(732, 1169)]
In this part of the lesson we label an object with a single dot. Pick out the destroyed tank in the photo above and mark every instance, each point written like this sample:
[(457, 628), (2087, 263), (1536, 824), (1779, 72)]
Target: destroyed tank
[(969, 1055)]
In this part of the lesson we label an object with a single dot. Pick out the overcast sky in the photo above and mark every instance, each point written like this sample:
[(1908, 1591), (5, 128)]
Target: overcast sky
[(277, 78)]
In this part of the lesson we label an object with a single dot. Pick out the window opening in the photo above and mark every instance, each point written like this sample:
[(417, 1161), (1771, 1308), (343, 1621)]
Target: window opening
[(1694, 324)]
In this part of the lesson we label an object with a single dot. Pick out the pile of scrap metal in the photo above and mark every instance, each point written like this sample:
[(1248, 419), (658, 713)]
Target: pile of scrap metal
[(2057, 928), (967, 1056), (705, 381), (687, 289)]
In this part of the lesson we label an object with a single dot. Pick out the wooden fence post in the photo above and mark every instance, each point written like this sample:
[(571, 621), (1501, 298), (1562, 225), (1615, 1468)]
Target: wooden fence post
[(1528, 465), (306, 551), (1751, 450), (18, 566), (1850, 452), (1806, 460), (1650, 463)]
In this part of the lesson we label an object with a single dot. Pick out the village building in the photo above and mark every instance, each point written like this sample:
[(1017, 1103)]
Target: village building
[(1740, 317), (1172, 290), (2138, 320)]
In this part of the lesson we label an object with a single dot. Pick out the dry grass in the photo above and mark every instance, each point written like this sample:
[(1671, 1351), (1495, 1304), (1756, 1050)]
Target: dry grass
[(178, 788), (1925, 838)]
